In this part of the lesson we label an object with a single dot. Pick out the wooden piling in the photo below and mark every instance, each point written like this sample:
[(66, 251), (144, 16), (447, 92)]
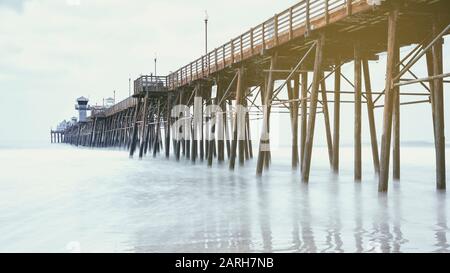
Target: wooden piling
[(244, 142), (337, 113), (195, 125), (135, 127), (91, 142), (249, 136), (187, 142), (293, 94), (438, 100), (234, 140), (201, 141), (304, 115), (78, 135), (396, 120), (326, 118), (242, 138), (263, 155), (221, 133), (228, 119), (312, 110), (150, 131), (144, 132), (357, 132), (388, 103), (167, 125), (157, 128), (211, 137), (371, 117), (129, 130)]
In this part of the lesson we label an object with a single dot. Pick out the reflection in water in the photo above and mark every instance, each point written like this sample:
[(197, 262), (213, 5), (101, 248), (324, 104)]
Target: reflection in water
[(387, 235), (397, 218), (381, 235), (296, 241), (155, 205), (359, 230), (441, 225), (333, 239), (264, 218), (305, 219)]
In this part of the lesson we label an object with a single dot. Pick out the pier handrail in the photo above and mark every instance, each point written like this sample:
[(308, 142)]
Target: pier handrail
[(271, 33), (124, 104), (148, 81)]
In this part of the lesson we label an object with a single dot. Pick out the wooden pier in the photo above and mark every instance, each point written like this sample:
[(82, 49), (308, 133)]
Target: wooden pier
[(284, 64)]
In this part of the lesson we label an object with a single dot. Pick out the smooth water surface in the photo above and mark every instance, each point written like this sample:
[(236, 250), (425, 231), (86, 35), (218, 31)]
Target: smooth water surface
[(62, 199)]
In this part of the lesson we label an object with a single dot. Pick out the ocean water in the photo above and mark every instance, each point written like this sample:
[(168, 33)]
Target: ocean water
[(65, 199)]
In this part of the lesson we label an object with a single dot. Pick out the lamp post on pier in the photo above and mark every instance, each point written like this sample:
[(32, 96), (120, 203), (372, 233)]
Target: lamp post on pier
[(206, 37), (206, 32)]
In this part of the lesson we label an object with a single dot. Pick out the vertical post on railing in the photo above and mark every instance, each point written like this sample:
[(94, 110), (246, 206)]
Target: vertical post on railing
[(251, 41), (308, 26), (275, 28), (327, 16), (215, 60), (263, 34), (223, 56), (191, 71), (241, 45), (196, 69), (232, 52), (349, 7), (208, 63), (291, 31), (203, 66)]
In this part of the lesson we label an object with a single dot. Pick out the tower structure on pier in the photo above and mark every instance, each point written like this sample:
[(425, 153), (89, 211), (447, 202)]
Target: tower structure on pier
[(82, 108)]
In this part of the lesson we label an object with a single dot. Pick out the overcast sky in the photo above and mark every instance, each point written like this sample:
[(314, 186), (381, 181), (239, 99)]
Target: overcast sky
[(53, 51)]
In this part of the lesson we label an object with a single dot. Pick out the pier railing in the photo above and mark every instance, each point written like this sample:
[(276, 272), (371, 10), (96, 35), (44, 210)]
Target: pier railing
[(150, 84), (125, 104), (283, 27)]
